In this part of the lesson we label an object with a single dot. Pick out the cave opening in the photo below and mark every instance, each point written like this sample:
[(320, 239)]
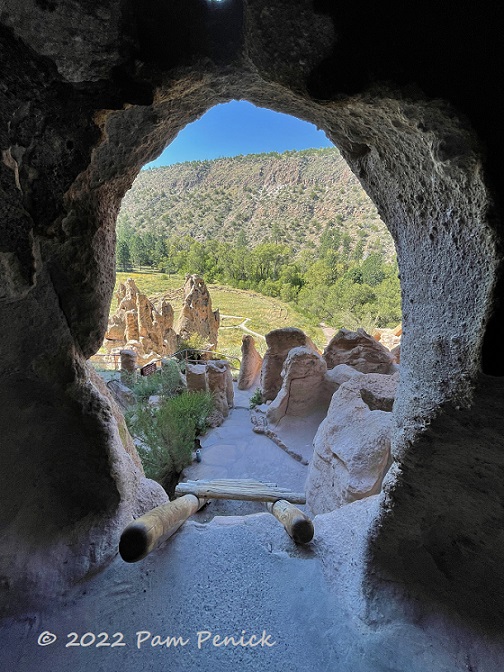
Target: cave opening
[(85, 109)]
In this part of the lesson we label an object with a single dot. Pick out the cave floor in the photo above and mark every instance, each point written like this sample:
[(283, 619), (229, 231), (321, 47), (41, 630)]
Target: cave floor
[(231, 591), (233, 577), (231, 571)]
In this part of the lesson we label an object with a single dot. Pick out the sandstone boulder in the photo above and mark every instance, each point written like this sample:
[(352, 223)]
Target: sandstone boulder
[(251, 363), (280, 342), (360, 350), (336, 377), (352, 445), (197, 316), (303, 376)]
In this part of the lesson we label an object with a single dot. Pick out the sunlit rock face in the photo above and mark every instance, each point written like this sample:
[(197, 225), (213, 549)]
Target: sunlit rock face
[(280, 342), (351, 450), (196, 315), (250, 365), (139, 325), (87, 96)]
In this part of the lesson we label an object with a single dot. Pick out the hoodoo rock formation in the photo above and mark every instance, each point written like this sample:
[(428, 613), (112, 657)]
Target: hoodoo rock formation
[(250, 365), (89, 93), (137, 324), (197, 316)]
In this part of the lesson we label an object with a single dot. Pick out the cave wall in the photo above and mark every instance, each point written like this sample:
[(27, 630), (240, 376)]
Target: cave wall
[(88, 95)]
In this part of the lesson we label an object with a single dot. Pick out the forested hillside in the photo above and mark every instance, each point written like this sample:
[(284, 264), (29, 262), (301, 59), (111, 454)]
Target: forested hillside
[(296, 225), (290, 197)]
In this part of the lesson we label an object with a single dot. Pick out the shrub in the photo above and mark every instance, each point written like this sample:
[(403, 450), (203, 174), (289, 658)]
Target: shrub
[(164, 382), (256, 399), (165, 435)]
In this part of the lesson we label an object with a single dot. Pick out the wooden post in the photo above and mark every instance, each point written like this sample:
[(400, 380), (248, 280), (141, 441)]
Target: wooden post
[(146, 533), (296, 523)]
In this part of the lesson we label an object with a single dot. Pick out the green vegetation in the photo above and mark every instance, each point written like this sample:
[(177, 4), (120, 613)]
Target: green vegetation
[(164, 433), (165, 382), (256, 399), (295, 227), (287, 198), (261, 312)]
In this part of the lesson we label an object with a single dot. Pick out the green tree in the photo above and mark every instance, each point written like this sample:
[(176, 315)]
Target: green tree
[(123, 256)]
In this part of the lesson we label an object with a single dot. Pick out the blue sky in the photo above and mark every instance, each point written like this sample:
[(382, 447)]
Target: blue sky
[(239, 127)]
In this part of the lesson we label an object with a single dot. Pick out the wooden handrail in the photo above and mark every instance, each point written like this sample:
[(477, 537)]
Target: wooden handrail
[(146, 533)]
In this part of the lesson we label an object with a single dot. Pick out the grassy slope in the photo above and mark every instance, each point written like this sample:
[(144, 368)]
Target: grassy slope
[(264, 312)]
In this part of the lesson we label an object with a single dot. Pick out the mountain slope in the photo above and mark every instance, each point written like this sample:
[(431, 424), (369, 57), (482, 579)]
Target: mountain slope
[(289, 197)]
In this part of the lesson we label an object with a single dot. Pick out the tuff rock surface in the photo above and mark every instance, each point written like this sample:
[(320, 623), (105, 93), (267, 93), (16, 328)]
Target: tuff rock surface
[(137, 324), (250, 365), (352, 445), (280, 342), (197, 316), (359, 350), (302, 385)]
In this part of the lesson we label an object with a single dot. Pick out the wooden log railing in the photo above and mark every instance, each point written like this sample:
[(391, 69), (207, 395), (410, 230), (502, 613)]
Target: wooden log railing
[(296, 523), (146, 533), (239, 489), (149, 531)]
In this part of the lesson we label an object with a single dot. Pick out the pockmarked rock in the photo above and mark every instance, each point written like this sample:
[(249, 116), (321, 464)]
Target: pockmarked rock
[(280, 342), (197, 316), (360, 350), (139, 325), (352, 445)]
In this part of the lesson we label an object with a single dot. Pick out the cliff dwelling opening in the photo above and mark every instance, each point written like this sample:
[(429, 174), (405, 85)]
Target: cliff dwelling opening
[(97, 94), (283, 240)]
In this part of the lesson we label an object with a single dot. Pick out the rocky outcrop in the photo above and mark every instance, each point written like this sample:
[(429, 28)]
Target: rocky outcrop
[(196, 377), (359, 350), (352, 445), (303, 376), (197, 316), (220, 384), (251, 363), (280, 342), (137, 324)]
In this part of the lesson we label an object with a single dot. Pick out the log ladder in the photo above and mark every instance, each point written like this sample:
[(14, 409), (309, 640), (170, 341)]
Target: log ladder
[(149, 531)]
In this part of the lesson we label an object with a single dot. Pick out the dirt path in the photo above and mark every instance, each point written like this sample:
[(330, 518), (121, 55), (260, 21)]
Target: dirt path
[(241, 325)]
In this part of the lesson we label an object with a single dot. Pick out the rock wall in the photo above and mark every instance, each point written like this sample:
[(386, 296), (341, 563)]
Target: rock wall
[(351, 450), (302, 388), (280, 342)]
